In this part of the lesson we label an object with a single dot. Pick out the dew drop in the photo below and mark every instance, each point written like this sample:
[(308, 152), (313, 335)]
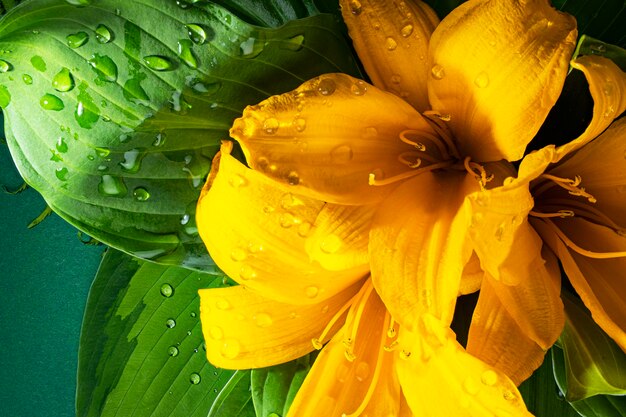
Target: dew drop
[(61, 145), (159, 139), (103, 34), (231, 349), (287, 220), (192, 314), (28, 80), (355, 7), (406, 31), (51, 102), (395, 79), (247, 273), (293, 44), (271, 125), (61, 173), (216, 333), (186, 54), (238, 255), (262, 320), (509, 395), (362, 371), (103, 152), (170, 323), (237, 181), (293, 178), (325, 309), (326, 86), (158, 63), (104, 67), (438, 72), (359, 88), (194, 378), (502, 413), (470, 386), (299, 124), (173, 351), (391, 44), (370, 132), (330, 244), (167, 290), (222, 304), (304, 229), (112, 186), (78, 39), (251, 47), (38, 63), (141, 194), (134, 92), (5, 66), (481, 80), (63, 81), (312, 291), (489, 377), (196, 33), (342, 154), (132, 160)]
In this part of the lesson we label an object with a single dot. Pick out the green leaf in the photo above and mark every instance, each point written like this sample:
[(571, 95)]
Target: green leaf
[(596, 406), (274, 388), (269, 12), (141, 348), (590, 46), (594, 363), (234, 400), (542, 396), (6, 5), (107, 116), (603, 20)]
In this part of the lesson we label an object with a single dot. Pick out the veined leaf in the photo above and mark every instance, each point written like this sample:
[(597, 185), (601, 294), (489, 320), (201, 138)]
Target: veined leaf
[(596, 406), (234, 400), (274, 388), (114, 109), (141, 349), (6, 5), (590, 46)]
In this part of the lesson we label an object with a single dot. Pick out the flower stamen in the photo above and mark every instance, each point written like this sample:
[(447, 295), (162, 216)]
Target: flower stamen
[(478, 171), (437, 121), (419, 146), (584, 252), (587, 211), (403, 159), (560, 213), (409, 174), (353, 325), (571, 185)]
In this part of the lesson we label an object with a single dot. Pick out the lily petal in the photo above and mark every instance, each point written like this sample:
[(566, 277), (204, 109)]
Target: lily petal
[(472, 276), (600, 165), (419, 246), (256, 230), (440, 379), (607, 84), (244, 330), (391, 40), (325, 138), (513, 326), (336, 386), (599, 282), (497, 69)]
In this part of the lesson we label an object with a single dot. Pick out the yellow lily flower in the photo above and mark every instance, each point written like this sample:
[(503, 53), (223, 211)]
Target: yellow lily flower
[(574, 197), (347, 178)]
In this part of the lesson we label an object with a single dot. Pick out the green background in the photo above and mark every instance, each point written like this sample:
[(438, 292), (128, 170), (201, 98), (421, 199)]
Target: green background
[(45, 274)]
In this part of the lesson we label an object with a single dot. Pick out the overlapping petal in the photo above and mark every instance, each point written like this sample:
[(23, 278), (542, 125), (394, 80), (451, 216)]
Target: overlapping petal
[(256, 230), (391, 40), (440, 379), (419, 246), (336, 386), (326, 137), (497, 69), (244, 330), (607, 84)]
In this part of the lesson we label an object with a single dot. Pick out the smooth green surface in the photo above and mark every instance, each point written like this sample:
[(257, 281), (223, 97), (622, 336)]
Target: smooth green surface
[(45, 273)]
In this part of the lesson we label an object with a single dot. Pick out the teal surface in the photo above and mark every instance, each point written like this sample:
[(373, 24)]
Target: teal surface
[(45, 274)]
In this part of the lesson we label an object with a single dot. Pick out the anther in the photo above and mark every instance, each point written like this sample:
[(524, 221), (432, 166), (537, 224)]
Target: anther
[(560, 213), (372, 180), (350, 356), (404, 354), (419, 146), (317, 344), (391, 347), (478, 171), (411, 164)]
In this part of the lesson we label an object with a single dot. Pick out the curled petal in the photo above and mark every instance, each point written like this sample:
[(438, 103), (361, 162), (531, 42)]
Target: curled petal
[(607, 84), (257, 230), (497, 69), (391, 40), (244, 330), (325, 138)]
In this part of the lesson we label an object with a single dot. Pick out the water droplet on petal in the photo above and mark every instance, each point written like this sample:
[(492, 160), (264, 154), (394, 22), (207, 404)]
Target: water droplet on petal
[(103, 34), (51, 102), (167, 290), (470, 386), (481, 80), (112, 186), (362, 371), (395, 79), (509, 395), (304, 229), (231, 349), (326, 86), (355, 7), (77, 39), (238, 255), (287, 220), (158, 63), (299, 123), (330, 243), (342, 154), (170, 323), (247, 273), (194, 378), (262, 320), (271, 125), (196, 33), (438, 72), (216, 333), (222, 304), (172, 351), (312, 291), (489, 377), (293, 178), (391, 44), (406, 31), (359, 88), (63, 81)]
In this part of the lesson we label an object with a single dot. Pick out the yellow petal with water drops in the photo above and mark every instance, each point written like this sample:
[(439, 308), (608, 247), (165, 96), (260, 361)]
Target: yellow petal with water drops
[(391, 39), (440, 379), (513, 326), (503, 240), (497, 69), (419, 246), (256, 230), (600, 166), (359, 384), (325, 138), (607, 84), (598, 282), (244, 330)]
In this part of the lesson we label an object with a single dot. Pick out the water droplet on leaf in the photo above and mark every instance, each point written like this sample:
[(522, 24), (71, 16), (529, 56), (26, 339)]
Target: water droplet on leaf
[(5, 66), (196, 33), (104, 67), (38, 63), (77, 39), (28, 80), (51, 102), (112, 186), (63, 80), (158, 63), (186, 53), (172, 351), (194, 378), (103, 34), (170, 323), (61, 173)]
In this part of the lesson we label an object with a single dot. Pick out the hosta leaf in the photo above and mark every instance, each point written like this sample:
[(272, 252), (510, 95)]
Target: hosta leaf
[(595, 364), (6, 5), (235, 399), (114, 109), (596, 406), (141, 348), (274, 388), (269, 12), (591, 46)]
